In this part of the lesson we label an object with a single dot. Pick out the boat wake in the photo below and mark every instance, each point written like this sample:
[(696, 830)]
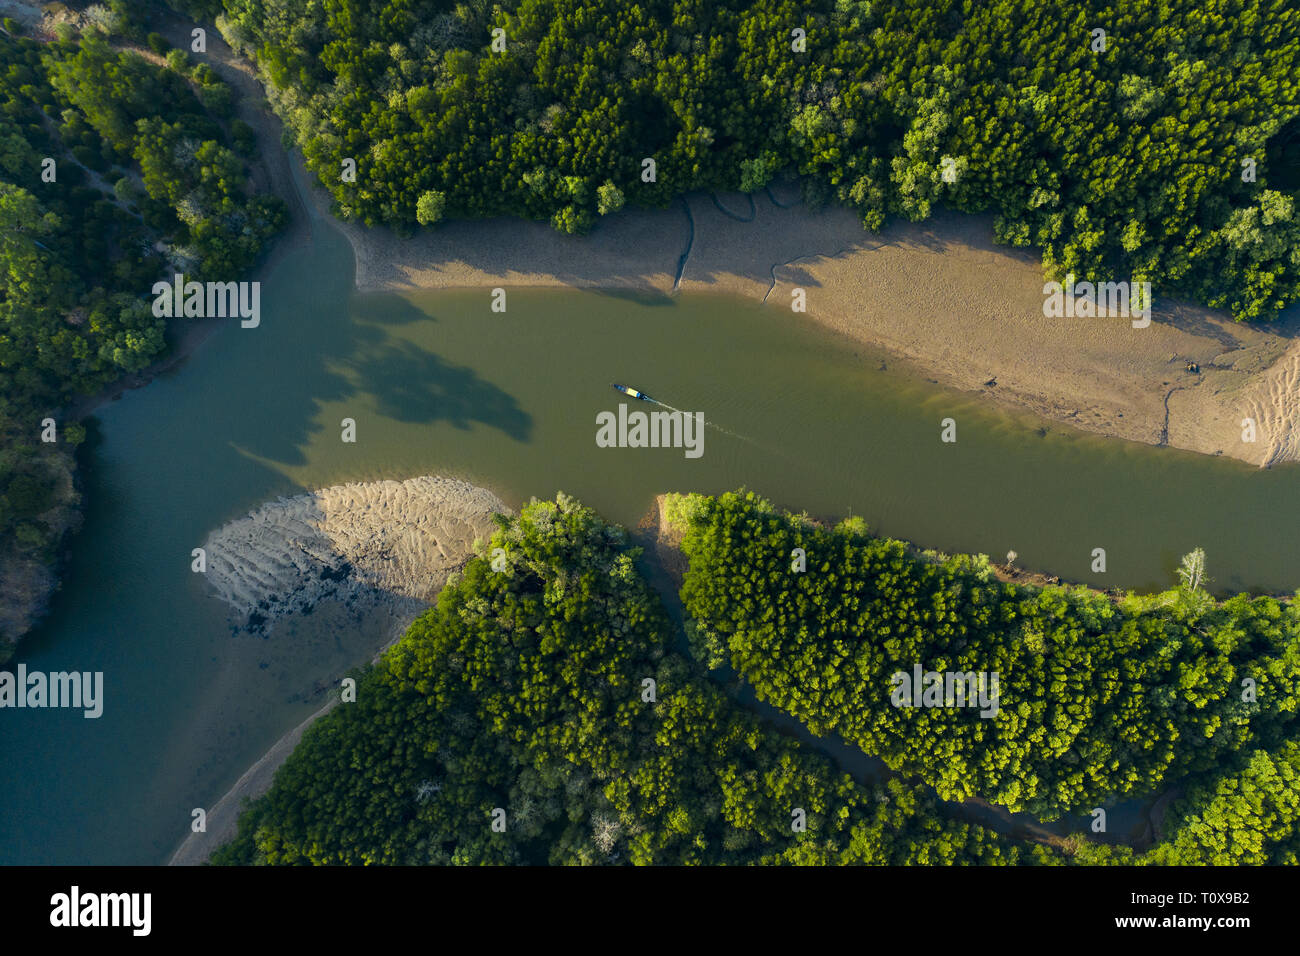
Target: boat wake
[(642, 396), (708, 424)]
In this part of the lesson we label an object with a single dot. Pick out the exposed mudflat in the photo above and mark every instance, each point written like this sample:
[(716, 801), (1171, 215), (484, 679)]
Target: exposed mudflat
[(380, 549), (395, 538), (940, 295)]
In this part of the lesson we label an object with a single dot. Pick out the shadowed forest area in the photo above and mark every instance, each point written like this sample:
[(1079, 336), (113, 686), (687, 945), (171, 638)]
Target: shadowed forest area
[(548, 710), (120, 163)]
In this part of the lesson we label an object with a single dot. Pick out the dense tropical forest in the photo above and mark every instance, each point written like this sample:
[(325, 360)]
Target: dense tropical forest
[(121, 163), (1167, 149), (1247, 817), (1100, 698), (526, 691), (523, 698)]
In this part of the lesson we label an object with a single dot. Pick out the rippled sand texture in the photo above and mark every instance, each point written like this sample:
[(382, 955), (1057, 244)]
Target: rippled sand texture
[(374, 551), (398, 538)]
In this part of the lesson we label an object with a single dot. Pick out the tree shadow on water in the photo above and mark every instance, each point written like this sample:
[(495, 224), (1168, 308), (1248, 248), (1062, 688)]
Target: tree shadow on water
[(391, 308), (411, 384)]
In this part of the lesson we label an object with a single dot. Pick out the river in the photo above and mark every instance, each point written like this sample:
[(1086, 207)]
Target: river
[(441, 384)]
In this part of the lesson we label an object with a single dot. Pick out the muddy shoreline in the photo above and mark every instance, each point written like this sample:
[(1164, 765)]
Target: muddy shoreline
[(386, 546)]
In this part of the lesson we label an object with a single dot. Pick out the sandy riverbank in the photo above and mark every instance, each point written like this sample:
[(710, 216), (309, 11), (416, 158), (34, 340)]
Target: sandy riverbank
[(939, 295), (223, 818), (396, 538), (383, 547)]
